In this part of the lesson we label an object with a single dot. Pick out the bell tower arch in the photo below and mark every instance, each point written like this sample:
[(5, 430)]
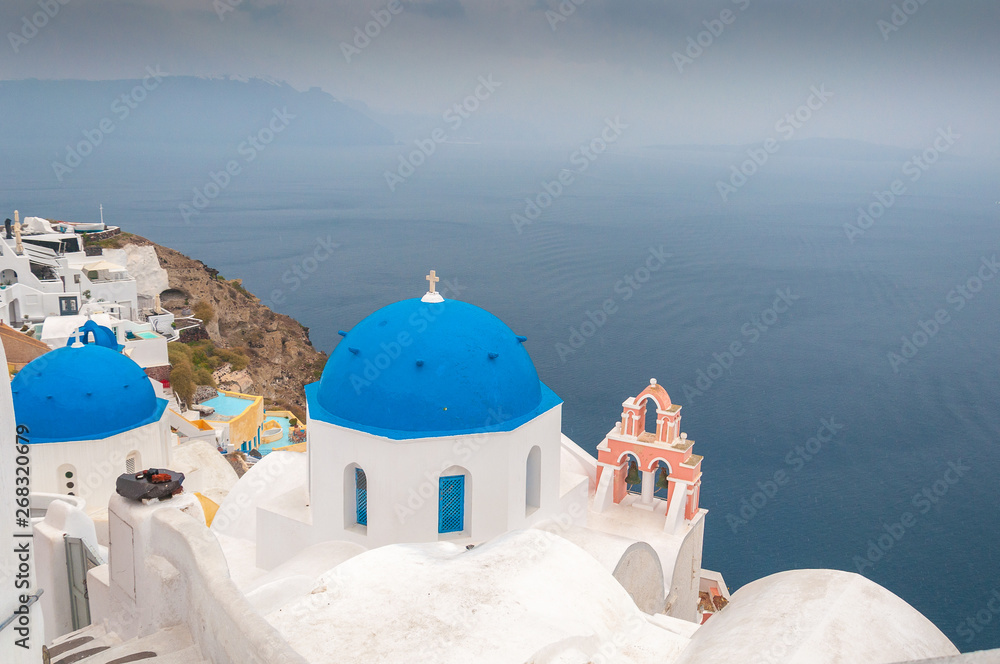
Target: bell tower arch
[(670, 471)]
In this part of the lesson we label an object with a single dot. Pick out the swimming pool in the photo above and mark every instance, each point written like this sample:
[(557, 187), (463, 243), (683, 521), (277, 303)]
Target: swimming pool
[(227, 405), (265, 448)]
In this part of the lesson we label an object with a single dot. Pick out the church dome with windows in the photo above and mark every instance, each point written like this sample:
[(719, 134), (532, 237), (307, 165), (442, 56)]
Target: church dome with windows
[(429, 367), (83, 393)]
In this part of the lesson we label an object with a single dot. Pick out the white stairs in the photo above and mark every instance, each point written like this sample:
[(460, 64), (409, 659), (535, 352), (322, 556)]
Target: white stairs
[(95, 645)]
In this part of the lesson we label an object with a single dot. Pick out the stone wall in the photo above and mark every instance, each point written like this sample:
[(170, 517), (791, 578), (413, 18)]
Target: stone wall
[(160, 373), (103, 235)]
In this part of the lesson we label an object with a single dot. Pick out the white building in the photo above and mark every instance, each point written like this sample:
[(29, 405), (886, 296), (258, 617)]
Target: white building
[(50, 284), (90, 414), (44, 272), (455, 438), (87, 414), (441, 516), (138, 341)]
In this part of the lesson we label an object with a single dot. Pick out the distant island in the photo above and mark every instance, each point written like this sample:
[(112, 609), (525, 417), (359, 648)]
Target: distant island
[(49, 115)]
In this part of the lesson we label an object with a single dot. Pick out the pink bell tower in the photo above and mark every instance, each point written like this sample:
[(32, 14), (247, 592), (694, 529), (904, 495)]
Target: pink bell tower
[(670, 472)]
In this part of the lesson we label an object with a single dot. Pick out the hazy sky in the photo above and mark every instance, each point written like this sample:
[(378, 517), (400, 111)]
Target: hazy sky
[(936, 64)]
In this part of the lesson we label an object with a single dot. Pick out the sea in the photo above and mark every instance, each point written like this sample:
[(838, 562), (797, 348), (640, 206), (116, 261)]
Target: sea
[(828, 323)]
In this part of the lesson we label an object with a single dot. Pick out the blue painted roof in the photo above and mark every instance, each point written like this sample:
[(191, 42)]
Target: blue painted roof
[(84, 393), (416, 369)]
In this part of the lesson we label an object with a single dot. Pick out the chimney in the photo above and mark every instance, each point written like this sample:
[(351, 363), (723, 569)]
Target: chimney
[(19, 248)]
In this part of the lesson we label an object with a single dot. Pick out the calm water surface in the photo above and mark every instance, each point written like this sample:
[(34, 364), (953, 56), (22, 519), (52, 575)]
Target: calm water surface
[(824, 359)]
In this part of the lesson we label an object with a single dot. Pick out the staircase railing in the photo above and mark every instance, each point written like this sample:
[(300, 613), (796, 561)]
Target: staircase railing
[(31, 600)]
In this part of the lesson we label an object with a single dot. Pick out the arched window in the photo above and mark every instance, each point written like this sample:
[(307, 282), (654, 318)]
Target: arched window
[(533, 481), (133, 462), (454, 491), (67, 480), (650, 423), (355, 498), (361, 496)]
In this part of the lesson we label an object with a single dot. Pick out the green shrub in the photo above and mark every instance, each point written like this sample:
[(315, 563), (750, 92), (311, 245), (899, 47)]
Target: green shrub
[(204, 311), (203, 376), (182, 381)]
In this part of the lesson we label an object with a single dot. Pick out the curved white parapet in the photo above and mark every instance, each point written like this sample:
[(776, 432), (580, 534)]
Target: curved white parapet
[(634, 564), (526, 596), (224, 624), (40, 503)]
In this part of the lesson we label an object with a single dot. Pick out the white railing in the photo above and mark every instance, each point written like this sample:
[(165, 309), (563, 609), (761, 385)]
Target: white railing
[(110, 280), (52, 286), (31, 600), (191, 324)]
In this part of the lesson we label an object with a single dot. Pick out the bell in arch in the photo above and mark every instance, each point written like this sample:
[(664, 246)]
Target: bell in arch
[(633, 473)]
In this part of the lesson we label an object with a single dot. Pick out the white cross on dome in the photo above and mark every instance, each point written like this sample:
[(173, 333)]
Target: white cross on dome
[(432, 295)]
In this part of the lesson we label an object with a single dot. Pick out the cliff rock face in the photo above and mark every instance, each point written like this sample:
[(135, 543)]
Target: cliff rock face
[(144, 266), (282, 359)]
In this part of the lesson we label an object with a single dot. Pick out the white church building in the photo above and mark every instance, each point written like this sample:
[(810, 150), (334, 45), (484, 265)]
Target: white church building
[(451, 436), (440, 515), (86, 413), (91, 415)]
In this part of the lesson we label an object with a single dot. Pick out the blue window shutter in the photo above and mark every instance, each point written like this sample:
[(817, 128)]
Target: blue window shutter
[(361, 487), (451, 504)]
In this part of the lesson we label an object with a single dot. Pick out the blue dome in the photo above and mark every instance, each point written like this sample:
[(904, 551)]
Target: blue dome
[(84, 393), (419, 369)]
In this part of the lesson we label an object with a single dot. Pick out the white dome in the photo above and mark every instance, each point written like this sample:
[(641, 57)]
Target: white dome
[(817, 615), (525, 596)]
